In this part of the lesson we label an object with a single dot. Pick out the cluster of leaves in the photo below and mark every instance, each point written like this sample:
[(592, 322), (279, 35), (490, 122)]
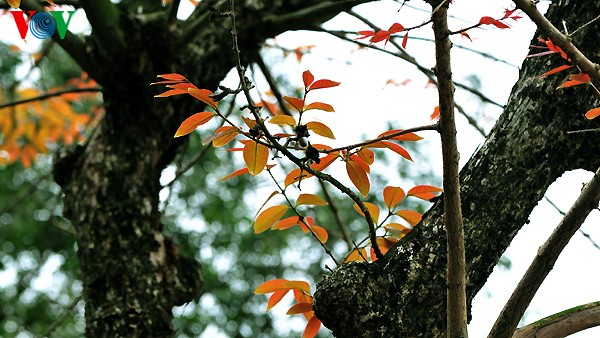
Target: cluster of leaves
[(574, 79), (260, 145), (28, 130)]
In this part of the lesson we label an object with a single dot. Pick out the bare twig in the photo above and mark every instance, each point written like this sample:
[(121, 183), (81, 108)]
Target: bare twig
[(583, 233), (546, 257), (336, 216), (66, 313), (50, 95), (456, 311)]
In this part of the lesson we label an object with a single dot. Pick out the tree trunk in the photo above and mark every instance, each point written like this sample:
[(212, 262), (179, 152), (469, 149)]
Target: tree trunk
[(404, 294)]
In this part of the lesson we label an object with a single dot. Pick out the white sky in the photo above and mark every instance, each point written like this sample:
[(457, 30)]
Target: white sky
[(363, 104)]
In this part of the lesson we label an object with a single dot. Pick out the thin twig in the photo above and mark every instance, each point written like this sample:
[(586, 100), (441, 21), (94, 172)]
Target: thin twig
[(50, 95), (63, 317), (585, 234)]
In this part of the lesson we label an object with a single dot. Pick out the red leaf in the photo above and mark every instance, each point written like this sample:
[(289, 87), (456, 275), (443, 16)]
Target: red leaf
[(404, 40), (203, 95), (486, 20), (575, 79), (592, 113), (395, 28), (359, 177), (297, 103), (172, 92), (172, 77), (319, 84), (191, 123), (555, 70), (380, 36), (500, 24), (364, 34), (398, 149), (308, 78), (312, 328)]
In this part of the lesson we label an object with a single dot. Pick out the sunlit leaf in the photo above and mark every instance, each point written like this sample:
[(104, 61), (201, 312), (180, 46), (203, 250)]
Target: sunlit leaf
[(321, 106), (275, 298), (320, 129), (222, 136), (307, 78), (397, 229), (286, 223), (412, 217), (398, 149), (592, 113), (373, 211), (172, 77), (310, 199), (367, 155), (234, 174), (357, 255), (256, 156), (395, 28), (191, 123), (249, 122), (359, 177), (392, 196), (436, 113), (321, 233), (575, 79), (203, 95), (283, 120), (299, 308), (297, 103), (403, 137), (172, 92), (425, 192), (294, 175), (385, 244), (312, 328), (268, 217), (319, 84)]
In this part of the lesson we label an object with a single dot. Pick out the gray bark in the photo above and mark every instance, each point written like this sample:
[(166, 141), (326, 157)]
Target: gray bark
[(404, 294)]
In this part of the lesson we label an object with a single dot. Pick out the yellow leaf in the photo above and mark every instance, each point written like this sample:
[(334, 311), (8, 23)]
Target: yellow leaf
[(310, 199), (321, 106), (256, 156), (268, 217), (373, 210), (283, 120), (320, 129), (412, 217), (359, 177), (191, 123), (392, 196), (249, 122)]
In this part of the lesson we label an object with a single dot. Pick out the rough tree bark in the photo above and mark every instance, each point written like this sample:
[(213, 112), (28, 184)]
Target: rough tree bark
[(131, 272), (403, 294)]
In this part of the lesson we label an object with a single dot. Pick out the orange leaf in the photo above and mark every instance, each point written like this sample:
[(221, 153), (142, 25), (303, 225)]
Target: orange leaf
[(299, 285), (464, 34), (403, 137), (222, 136), (373, 210), (575, 79), (325, 161), (425, 192), (321, 233), (172, 92), (234, 174), (256, 156), (308, 78), (299, 308), (310, 199), (203, 95), (436, 113), (271, 286), (294, 176), (275, 298), (249, 122), (268, 217), (297, 103), (412, 217), (321, 106), (172, 77), (397, 229), (392, 196), (367, 155), (320, 129), (355, 255), (312, 328), (385, 244), (319, 84), (286, 223), (555, 70), (592, 113), (398, 149), (191, 123), (359, 177), (283, 120)]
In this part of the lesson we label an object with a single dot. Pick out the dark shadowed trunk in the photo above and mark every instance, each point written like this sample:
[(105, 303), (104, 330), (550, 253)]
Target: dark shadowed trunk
[(404, 294)]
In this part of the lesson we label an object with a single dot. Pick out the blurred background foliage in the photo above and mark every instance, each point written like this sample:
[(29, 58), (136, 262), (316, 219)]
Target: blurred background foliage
[(210, 220)]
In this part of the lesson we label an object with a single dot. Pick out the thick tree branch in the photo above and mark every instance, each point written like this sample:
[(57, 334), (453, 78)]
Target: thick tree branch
[(320, 12), (103, 15), (564, 323), (456, 311), (559, 39), (544, 261)]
